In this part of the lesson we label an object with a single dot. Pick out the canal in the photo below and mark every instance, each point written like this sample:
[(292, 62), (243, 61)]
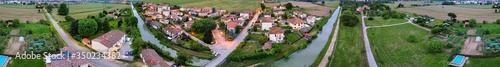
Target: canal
[(307, 56)]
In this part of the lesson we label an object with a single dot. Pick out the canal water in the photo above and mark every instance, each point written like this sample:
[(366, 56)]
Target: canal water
[(307, 56)]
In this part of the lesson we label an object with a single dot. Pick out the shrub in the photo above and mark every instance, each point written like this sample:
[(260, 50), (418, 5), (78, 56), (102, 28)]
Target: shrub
[(386, 17), (411, 39), (449, 45), (434, 46), (497, 21), (370, 18), (485, 22), (349, 20)]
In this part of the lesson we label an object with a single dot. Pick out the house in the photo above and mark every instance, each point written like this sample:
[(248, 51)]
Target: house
[(155, 24), (185, 9), (227, 18), (172, 32), (188, 24), (299, 14), (221, 12), (149, 12), (9, 23), (267, 14), (310, 20), (162, 7), (112, 16), (276, 34), (166, 13), (175, 17), (245, 15), (109, 42), (152, 59), (176, 12), (157, 16), (240, 22), (267, 46), (207, 9), (266, 22), (231, 26), (64, 59), (296, 23), (164, 20)]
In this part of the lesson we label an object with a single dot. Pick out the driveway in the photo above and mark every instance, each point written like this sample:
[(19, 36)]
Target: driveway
[(74, 45)]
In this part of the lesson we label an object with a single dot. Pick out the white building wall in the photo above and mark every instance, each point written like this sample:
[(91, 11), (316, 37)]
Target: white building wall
[(276, 38), (99, 47), (266, 25)]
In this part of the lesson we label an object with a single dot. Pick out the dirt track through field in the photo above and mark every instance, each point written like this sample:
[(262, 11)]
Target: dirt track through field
[(23, 14), (462, 13), (315, 9)]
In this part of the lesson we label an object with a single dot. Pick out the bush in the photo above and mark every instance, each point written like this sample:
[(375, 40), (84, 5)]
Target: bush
[(485, 22), (434, 46), (497, 21), (386, 17), (349, 20), (448, 3), (370, 18), (449, 45), (411, 39)]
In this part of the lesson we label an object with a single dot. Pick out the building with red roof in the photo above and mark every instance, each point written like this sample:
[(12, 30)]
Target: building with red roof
[(152, 59), (172, 31), (276, 34), (296, 23), (111, 41)]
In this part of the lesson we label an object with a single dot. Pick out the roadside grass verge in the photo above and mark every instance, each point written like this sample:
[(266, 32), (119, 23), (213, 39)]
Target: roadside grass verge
[(350, 50), (377, 21)]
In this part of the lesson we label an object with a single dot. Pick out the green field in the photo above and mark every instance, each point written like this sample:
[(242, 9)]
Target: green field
[(475, 6), (377, 21), (230, 5), (349, 48), (392, 49), (332, 4), (483, 62), (78, 11), (408, 4), (173, 2), (36, 28), (27, 63), (18, 6)]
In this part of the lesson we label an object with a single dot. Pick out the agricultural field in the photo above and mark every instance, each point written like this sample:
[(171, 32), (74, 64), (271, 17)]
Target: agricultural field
[(350, 50), (333, 4), (377, 21), (475, 6), (462, 13), (230, 5), (18, 6), (78, 11), (408, 4), (391, 47), (8, 12), (311, 8), (173, 2)]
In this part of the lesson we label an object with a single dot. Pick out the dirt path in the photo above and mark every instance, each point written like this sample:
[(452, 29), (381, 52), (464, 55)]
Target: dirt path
[(329, 52), (14, 46), (471, 47)]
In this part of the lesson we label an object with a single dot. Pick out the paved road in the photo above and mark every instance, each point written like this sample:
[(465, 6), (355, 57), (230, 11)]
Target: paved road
[(369, 55), (226, 47), (73, 44), (329, 52)]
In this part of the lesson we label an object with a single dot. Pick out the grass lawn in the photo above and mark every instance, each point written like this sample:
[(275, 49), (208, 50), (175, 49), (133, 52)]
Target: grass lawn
[(350, 50), (391, 48), (27, 63), (436, 22), (291, 37), (173, 2), (494, 28), (483, 62), (377, 21), (333, 4), (78, 11), (18, 6), (230, 5), (475, 6), (408, 4), (36, 28)]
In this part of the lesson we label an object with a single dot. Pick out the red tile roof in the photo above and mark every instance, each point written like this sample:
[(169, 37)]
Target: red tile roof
[(188, 23), (275, 30), (85, 40), (310, 17), (110, 38), (152, 58), (295, 20), (68, 62), (173, 29), (267, 19), (232, 24), (228, 17)]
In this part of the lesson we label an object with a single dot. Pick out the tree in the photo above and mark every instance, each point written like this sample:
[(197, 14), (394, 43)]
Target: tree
[(42, 21), (400, 5), (208, 37), (434, 46), (87, 27), (101, 15), (452, 15), (289, 6), (69, 19), (132, 21), (63, 9), (472, 22), (238, 29), (49, 8), (262, 6), (15, 22), (74, 28), (349, 20), (497, 21), (204, 26), (183, 59), (222, 26), (322, 2), (103, 24)]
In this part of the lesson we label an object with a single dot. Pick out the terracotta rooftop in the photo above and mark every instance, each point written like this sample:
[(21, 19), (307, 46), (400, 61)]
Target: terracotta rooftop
[(85, 40), (310, 17), (110, 38), (173, 29), (152, 59), (188, 23), (275, 30), (68, 62), (267, 19), (267, 45), (227, 17), (295, 20), (232, 24)]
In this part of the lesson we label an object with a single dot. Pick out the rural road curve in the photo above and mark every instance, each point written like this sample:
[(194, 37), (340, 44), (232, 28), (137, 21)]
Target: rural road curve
[(74, 45), (369, 54)]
